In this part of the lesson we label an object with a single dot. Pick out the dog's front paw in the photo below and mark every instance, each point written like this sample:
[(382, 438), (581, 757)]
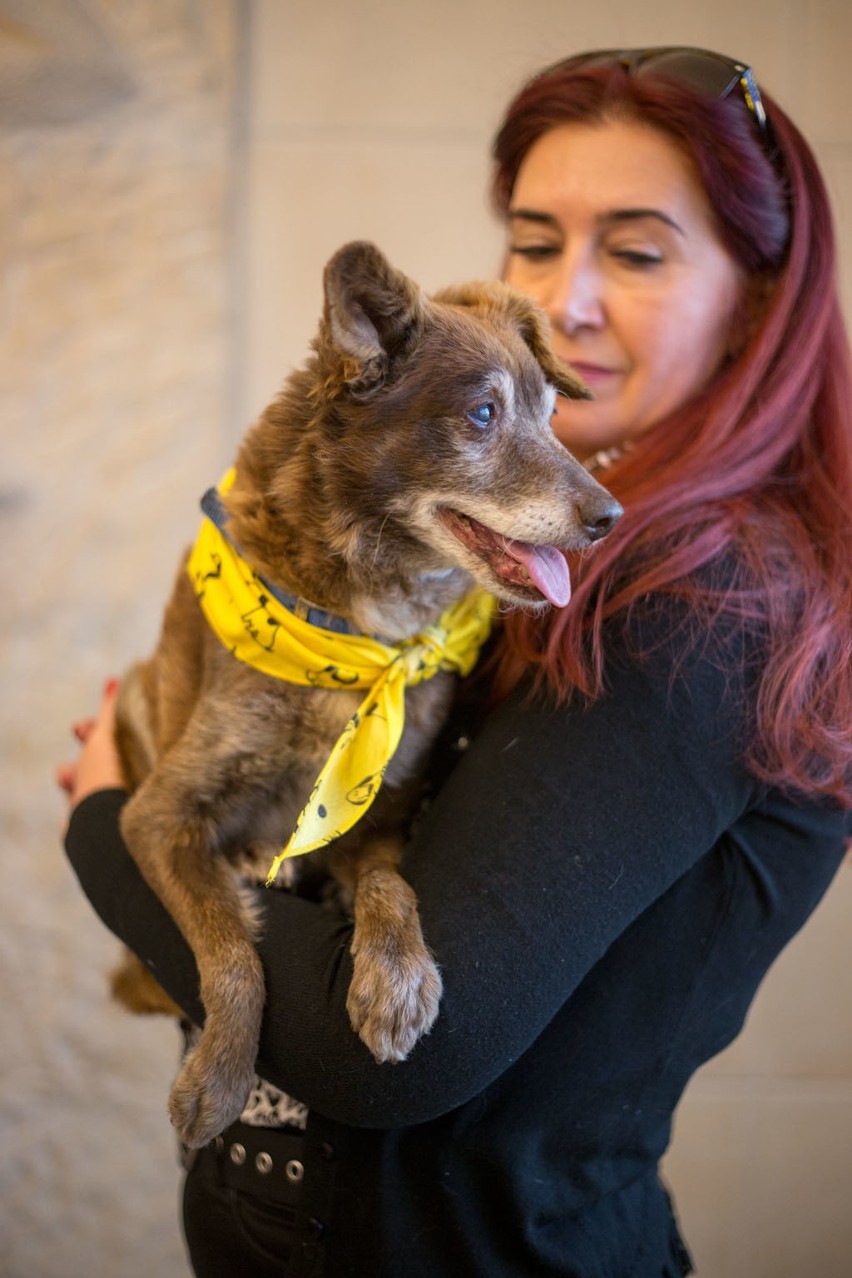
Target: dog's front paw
[(393, 999), (209, 1094)]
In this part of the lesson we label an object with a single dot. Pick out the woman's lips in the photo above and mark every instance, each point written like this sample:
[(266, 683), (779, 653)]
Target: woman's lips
[(593, 374)]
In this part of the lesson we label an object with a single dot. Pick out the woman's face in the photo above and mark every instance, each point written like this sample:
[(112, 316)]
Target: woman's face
[(611, 233)]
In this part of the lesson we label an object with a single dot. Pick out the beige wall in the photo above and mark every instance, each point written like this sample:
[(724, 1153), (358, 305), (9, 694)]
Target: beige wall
[(116, 390), (176, 172)]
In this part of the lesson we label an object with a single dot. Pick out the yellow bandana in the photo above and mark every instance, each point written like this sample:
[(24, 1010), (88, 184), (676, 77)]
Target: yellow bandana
[(263, 633)]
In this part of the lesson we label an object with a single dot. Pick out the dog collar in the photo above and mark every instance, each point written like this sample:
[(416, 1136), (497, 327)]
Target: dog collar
[(211, 505)]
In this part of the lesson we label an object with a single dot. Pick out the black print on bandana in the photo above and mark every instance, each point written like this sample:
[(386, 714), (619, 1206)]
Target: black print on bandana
[(363, 792), (201, 577), (306, 808), (339, 674), (266, 639)]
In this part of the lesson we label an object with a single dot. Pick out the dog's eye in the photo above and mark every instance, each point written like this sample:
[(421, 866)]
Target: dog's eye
[(483, 415)]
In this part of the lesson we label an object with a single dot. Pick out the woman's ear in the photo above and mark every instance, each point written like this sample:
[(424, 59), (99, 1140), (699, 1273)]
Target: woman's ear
[(750, 312)]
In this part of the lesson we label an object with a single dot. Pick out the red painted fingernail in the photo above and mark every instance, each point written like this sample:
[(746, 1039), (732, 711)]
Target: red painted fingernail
[(110, 687)]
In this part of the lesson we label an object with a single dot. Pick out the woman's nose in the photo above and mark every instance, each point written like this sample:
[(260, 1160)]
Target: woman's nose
[(576, 300)]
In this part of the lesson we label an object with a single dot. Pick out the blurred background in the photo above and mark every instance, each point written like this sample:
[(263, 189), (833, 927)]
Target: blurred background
[(175, 173)]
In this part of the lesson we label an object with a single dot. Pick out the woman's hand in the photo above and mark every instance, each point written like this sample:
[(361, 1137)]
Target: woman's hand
[(97, 766)]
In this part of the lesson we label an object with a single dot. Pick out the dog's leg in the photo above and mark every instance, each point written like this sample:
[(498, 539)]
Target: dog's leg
[(131, 984), (396, 986), (171, 833)]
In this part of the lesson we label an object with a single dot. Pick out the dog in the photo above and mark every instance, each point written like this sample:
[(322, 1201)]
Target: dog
[(409, 462)]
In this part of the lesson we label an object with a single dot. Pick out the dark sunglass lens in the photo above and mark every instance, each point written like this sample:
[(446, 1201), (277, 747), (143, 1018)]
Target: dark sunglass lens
[(709, 73), (713, 76), (582, 61)]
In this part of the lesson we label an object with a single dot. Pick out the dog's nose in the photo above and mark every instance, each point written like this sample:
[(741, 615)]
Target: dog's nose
[(600, 516)]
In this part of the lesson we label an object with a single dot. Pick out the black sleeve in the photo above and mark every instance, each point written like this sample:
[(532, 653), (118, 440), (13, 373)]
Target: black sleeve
[(556, 830)]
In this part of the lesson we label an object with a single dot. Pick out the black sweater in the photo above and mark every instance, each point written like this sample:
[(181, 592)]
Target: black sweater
[(604, 890)]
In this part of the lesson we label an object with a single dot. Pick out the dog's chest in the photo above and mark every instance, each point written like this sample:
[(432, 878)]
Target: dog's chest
[(292, 744)]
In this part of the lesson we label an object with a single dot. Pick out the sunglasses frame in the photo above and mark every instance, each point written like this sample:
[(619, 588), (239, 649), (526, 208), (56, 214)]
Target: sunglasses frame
[(638, 61)]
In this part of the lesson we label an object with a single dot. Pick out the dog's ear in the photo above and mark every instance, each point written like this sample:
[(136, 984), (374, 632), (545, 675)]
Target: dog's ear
[(534, 327), (373, 314), (504, 302)]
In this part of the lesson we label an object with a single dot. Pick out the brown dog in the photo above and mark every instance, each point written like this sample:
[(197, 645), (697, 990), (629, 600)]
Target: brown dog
[(409, 459)]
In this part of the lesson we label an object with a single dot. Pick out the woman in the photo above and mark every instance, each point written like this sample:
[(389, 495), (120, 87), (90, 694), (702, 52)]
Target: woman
[(657, 801)]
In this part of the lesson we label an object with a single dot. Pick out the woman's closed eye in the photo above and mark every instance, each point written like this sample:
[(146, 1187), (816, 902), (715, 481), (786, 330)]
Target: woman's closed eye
[(640, 259), (535, 252)]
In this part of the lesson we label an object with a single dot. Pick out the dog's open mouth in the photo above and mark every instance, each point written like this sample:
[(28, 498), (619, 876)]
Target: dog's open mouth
[(535, 570)]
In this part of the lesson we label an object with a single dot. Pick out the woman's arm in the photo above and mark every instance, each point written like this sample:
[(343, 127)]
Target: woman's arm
[(557, 829)]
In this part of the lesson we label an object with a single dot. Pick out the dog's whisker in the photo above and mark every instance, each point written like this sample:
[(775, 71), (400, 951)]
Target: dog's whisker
[(379, 539)]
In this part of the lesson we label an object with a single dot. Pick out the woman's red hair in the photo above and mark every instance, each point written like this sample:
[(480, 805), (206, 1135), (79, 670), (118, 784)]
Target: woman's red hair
[(758, 469)]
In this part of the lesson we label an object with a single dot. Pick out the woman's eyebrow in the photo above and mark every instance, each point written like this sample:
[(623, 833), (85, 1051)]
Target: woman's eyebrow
[(635, 215), (612, 215), (532, 215)]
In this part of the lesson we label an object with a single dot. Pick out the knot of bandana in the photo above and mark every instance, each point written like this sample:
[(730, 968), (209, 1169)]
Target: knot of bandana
[(260, 631)]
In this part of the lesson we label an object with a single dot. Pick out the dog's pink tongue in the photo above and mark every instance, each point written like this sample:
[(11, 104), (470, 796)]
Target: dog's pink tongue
[(547, 569)]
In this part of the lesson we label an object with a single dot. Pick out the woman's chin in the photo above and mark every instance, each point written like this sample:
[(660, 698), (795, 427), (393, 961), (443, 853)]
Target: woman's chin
[(584, 439)]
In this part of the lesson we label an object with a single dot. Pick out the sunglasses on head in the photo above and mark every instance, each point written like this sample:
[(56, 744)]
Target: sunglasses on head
[(711, 74)]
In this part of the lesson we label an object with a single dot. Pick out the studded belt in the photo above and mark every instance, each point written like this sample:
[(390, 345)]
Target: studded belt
[(264, 1161)]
